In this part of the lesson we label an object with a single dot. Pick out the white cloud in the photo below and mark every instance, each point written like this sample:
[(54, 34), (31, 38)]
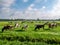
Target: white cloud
[(34, 13), (18, 14), (7, 3), (31, 12), (31, 7), (55, 13), (50, 14), (5, 10), (43, 7)]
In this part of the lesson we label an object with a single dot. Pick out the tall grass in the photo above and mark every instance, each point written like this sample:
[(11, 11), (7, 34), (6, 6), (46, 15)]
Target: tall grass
[(17, 36)]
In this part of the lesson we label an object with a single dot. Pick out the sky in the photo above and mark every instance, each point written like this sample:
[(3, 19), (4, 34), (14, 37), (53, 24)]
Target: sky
[(29, 9)]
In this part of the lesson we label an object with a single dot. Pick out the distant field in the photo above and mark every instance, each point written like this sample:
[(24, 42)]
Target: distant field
[(17, 36)]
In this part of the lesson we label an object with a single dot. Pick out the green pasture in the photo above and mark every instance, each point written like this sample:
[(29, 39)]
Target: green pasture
[(29, 36)]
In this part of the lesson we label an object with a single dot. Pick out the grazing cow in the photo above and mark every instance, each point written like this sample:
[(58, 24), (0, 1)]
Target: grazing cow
[(25, 26), (52, 25), (7, 27), (40, 26), (17, 25)]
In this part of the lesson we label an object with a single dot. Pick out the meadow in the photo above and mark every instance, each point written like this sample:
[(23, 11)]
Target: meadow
[(29, 36)]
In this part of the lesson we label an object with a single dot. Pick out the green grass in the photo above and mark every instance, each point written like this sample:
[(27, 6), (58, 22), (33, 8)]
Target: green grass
[(23, 43), (29, 37)]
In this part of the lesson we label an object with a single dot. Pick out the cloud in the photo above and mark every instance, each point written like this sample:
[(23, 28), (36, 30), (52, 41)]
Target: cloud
[(49, 14), (55, 12), (6, 3), (5, 8), (31, 12), (43, 7), (31, 7)]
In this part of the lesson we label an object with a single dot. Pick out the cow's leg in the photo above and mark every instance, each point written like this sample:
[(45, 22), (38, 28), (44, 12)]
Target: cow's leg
[(35, 28), (2, 29), (43, 27)]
